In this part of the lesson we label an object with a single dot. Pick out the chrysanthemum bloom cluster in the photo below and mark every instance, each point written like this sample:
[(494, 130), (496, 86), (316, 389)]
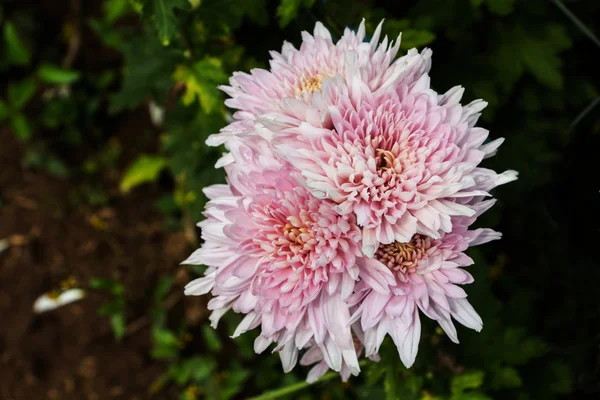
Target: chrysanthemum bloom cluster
[(351, 188)]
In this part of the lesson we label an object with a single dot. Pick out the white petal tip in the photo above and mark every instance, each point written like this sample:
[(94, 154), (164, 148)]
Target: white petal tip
[(48, 302)]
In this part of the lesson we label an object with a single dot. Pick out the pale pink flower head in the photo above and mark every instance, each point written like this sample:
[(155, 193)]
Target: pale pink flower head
[(299, 73), (429, 273), (282, 257), (351, 187), (397, 158)]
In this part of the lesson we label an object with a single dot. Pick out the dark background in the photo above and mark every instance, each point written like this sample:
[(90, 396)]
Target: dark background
[(91, 188)]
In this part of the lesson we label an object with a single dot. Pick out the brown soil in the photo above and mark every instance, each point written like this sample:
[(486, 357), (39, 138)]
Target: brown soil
[(70, 353)]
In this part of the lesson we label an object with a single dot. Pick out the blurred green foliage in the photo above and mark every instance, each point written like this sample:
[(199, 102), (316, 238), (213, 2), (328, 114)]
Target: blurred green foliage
[(527, 59), (114, 309)]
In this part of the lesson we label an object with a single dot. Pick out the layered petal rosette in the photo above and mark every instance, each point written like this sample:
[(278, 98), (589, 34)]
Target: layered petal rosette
[(299, 73), (429, 274), (284, 258), (398, 158), (352, 185)]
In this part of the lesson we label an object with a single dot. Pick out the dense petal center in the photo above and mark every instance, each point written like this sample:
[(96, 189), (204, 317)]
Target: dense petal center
[(404, 258), (309, 84)]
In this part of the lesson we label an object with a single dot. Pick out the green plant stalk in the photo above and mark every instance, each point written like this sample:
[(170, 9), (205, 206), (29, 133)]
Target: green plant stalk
[(274, 394), (577, 21)]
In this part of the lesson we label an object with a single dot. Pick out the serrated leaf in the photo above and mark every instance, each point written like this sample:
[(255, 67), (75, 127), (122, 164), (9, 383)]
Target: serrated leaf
[(288, 10), (543, 63), (20, 127), (164, 18), (210, 69), (468, 380), (146, 75), (201, 82), (145, 169), (56, 75), (20, 93), (15, 50)]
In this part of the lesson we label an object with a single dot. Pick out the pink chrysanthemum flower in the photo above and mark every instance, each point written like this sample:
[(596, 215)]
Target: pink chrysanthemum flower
[(428, 275), (397, 158), (299, 73), (284, 258), (351, 187)]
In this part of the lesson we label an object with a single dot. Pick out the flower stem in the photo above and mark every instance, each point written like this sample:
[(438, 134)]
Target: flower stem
[(274, 394)]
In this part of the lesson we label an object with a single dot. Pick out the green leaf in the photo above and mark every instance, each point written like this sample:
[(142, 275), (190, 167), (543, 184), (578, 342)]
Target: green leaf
[(505, 378), (211, 339), (416, 38), (501, 7), (20, 93), (523, 348), (164, 337), (111, 308), (109, 285), (468, 380), (114, 9), (145, 169), (55, 75), (137, 5), (165, 20), (256, 11), (288, 10), (196, 368), (4, 111), (470, 396), (561, 381), (235, 377), (20, 127), (145, 75), (201, 82), (166, 344), (56, 167), (166, 204), (162, 289), (117, 321), (210, 69), (15, 50), (543, 64)]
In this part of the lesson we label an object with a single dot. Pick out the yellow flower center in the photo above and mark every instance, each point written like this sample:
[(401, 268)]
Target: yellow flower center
[(404, 257), (385, 159), (310, 85)]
